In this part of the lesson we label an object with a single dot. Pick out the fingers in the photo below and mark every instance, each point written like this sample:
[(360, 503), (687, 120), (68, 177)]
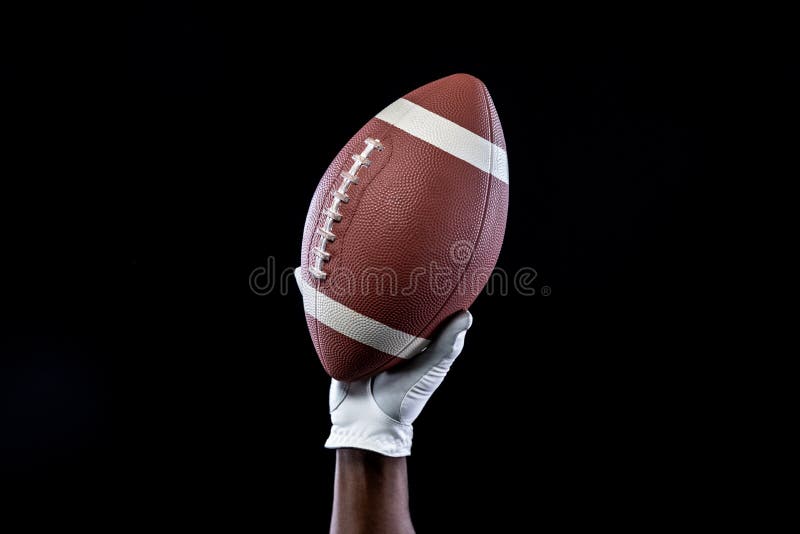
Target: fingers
[(441, 346), (425, 371), (459, 322)]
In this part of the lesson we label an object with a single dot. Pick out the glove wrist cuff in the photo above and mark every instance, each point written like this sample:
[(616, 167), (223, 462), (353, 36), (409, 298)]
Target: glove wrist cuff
[(395, 443)]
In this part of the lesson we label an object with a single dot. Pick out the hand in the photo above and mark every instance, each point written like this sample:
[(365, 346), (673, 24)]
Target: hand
[(376, 413)]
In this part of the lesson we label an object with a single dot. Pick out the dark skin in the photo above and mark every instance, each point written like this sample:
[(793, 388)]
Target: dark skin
[(370, 494)]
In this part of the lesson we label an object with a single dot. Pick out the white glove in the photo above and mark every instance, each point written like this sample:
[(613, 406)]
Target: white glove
[(376, 413)]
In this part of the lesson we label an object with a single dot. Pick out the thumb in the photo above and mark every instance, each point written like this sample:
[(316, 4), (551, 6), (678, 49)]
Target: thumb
[(337, 393)]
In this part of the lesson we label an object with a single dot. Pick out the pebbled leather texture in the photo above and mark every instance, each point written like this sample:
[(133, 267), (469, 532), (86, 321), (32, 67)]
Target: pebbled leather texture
[(421, 232)]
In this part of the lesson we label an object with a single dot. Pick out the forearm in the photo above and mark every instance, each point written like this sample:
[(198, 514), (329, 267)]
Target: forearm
[(370, 494)]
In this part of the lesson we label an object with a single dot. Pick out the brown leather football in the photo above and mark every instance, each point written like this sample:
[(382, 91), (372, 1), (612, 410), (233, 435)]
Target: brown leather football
[(405, 227)]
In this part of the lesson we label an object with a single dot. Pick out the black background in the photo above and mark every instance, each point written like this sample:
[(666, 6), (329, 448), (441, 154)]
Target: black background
[(143, 378)]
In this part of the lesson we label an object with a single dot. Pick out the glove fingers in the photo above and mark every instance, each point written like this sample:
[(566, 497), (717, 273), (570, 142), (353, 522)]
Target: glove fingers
[(392, 386), (442, 345), (421, 391)]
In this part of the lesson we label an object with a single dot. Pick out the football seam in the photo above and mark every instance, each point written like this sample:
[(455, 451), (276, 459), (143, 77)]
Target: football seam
[(480, 228), (365, 188), (386, 130), (357, 201), (309, 253)]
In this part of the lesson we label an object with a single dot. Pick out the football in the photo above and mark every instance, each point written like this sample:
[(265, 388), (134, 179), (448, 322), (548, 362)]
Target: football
[(405, 227)]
